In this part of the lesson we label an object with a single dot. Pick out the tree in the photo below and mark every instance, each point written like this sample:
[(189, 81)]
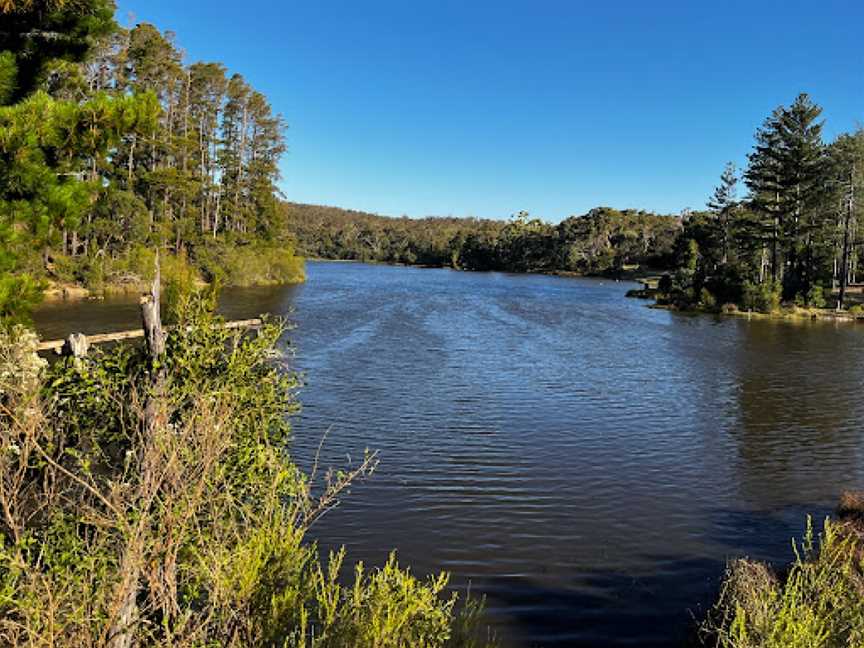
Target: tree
[(723, 204), (784, 176), (846, 179), (36, 34), (763, 178)]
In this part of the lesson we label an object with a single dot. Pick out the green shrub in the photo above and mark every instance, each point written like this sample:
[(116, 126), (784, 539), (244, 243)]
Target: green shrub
[(254, 264), (706, 299), (763, 298), (63, 269), (19, 295), (816, 297), (155, 499), (140, 262), (819, 602)]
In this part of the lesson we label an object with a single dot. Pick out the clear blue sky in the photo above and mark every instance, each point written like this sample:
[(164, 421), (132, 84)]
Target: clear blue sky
[(481, 108)]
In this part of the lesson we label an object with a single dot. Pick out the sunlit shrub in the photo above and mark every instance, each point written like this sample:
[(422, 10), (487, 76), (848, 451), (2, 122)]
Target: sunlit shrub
[(19, 294), (167, 510), (254, 264), (820, 602), (816, 296)]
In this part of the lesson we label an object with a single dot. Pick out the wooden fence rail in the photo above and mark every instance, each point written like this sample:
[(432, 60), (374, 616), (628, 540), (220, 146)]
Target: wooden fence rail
[(76, 344)]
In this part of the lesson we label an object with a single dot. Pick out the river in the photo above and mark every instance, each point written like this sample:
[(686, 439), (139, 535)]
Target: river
[(585, 462)]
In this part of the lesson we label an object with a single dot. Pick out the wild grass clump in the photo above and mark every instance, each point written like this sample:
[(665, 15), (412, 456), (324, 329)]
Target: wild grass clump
[(151, 501), (818, 603)]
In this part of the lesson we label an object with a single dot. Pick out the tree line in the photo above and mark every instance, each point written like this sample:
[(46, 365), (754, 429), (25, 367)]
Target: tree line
[(602, 241), (793, 237), (111, 145)]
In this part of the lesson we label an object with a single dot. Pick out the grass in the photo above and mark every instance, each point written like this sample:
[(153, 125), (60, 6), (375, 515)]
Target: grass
[(818, 602)]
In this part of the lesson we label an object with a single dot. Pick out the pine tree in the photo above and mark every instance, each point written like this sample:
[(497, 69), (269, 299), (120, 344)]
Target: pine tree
[(36, 35), (763, 178), (785, 179), (846, 182), (723, 204), (803, 164)]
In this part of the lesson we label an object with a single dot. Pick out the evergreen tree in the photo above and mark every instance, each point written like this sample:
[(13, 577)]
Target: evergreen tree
[(36, 34), (723, 204), (785, 179), (846, 183), (763, 178)]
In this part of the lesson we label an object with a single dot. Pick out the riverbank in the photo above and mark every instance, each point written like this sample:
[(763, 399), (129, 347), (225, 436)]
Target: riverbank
[(650, 290), (57, 292), (631, 273), (257, 265), (816, 601), (795, 313)]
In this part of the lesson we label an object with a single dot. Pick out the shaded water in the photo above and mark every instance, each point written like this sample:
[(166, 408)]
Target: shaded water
[(585, 462)]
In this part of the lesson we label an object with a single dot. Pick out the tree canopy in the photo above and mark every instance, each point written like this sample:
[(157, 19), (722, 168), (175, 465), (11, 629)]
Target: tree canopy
[(111, 145)]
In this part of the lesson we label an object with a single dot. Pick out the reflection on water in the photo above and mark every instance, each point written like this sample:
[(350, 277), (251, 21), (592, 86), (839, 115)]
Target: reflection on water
[(585, 462)]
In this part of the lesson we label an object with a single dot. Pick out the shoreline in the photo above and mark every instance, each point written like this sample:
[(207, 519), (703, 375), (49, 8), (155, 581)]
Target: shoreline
[(797, 314), (635, 275), (56, 293)]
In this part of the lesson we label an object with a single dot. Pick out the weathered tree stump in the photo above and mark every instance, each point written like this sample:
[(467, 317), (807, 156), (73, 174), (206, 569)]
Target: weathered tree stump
[(76, 345)]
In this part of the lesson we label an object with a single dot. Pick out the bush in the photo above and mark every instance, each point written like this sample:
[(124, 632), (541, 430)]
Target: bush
[(816, 297), (726, 284), (763, 298), (153, 499), (255, 264), (818, 603), (665, 284), (19, 295), (706, 299)]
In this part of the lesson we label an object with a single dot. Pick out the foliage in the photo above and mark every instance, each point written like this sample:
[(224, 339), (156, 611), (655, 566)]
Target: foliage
[(762, 298), (21, 368), (819, 602), (155, 502), (109, 144), (795, 230), (37, 34), (254, 264), (603, 241), (18, 296)]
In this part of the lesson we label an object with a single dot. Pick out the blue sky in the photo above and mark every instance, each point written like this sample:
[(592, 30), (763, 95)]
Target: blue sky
[(481, 108)]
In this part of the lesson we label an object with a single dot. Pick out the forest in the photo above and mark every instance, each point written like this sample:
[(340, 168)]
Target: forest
[(603, 241), (792, 238), (112, 146)]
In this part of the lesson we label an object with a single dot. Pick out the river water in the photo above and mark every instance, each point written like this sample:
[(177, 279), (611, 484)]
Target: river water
[(585, 462)]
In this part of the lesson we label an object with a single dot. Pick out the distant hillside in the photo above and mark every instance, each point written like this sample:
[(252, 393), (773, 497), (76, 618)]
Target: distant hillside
[(334, 233), (602, 241)]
